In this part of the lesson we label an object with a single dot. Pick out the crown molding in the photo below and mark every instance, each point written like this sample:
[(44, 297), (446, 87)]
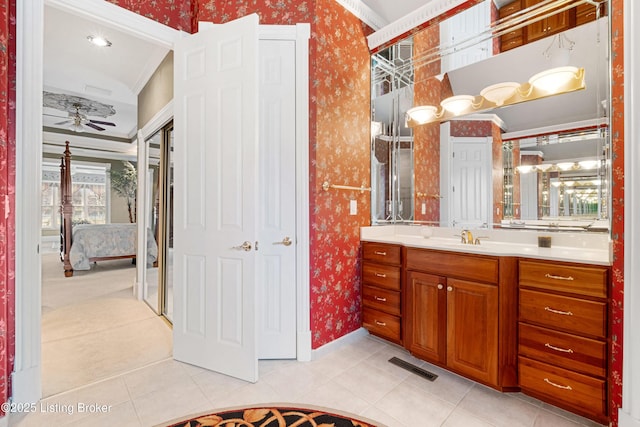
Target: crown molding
[(363, 13), (412, 20)]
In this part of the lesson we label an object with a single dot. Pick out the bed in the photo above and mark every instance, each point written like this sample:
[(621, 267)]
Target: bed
[(84, 244)]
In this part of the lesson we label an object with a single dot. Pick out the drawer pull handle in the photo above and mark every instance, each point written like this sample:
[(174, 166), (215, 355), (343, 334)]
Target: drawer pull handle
[(564, 313), (377, 298), (551, 276), (380, 253), (449, 288), (379, 323), (564, 387), (440, 286), (564, 350), (381, 275)]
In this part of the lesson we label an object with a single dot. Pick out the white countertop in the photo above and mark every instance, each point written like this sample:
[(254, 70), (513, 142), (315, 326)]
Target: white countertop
[(581, 247)]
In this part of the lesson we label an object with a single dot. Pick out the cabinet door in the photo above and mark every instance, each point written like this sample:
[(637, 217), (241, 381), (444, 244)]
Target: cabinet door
[(548, 26), (425, 316), (472, 329)]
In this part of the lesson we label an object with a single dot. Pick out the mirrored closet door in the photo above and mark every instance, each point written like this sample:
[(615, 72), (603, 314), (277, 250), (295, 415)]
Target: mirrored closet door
[(158, 290)]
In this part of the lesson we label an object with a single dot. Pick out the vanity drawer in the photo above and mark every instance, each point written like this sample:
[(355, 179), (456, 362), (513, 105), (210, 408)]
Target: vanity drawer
[(381, 324), (583, 280), (385, 276), (513, 34), (381, 299), (511, 43), (581, 392), (509, 9), (580, 354), (476, 267), (570, 314), (381, 252), (586, 13)]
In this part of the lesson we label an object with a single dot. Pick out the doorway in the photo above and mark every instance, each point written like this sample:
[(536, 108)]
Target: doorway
[(27, 386)]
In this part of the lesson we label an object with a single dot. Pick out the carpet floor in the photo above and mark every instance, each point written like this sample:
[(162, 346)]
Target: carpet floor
[(275, 416), (93, 327)]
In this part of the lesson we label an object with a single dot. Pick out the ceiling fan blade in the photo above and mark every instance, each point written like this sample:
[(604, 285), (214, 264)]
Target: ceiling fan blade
[(66, 122), (99, 122), (55, 115), (91, 125)]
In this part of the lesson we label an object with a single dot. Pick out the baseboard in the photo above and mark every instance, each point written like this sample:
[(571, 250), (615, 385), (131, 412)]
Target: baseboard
[(26, 386), (340, 342), (626, 420)]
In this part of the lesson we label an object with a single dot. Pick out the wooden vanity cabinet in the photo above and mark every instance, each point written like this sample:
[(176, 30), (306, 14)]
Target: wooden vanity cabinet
[(453, 314), (563, 335), (381, 290)]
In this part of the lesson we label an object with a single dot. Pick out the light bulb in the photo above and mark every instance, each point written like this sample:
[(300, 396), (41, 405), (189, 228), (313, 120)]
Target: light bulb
[(552, 80), (500, 92), (422, 114), (457, 104)]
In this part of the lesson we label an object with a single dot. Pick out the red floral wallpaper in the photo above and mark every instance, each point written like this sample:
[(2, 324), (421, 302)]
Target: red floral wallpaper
[(426, 138), (7, 192), (340, 154), (617, 208), (497, 172), (173, 13)]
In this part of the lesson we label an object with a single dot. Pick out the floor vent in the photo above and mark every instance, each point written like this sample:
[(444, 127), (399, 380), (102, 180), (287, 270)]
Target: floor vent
[(413, 368)]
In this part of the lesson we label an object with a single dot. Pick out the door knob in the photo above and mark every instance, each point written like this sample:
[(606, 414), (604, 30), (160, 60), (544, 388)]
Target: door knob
[(246, 246), (286, 241)]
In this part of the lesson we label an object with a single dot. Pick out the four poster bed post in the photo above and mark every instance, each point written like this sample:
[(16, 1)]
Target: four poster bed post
[(66, 210)]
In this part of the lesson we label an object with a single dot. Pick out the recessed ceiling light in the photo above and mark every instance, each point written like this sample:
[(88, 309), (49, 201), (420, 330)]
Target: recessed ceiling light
[(99, 41)]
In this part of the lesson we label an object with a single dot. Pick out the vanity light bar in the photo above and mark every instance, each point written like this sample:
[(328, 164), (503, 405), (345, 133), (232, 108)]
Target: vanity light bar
[(550, 82), (562, 166)]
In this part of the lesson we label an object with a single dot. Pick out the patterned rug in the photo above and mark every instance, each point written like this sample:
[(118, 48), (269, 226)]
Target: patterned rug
[(280, 416)]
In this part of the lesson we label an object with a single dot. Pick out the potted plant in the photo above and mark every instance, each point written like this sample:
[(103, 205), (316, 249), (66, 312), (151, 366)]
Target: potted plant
[(125, 182)]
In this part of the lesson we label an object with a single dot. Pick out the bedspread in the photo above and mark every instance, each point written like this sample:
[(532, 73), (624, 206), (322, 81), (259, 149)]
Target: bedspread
[(107, 240)]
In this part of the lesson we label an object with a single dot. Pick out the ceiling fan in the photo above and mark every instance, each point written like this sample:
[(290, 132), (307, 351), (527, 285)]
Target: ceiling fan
[(79, 120)]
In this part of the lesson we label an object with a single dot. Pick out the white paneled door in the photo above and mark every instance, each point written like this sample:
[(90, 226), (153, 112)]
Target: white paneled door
[(215, 221), (470, 181), (276, 251)]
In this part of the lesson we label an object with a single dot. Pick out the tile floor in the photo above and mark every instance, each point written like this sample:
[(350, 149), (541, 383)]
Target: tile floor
[(354, 377)]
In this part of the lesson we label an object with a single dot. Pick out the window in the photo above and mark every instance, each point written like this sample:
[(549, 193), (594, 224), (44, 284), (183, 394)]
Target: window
[(90, 188)]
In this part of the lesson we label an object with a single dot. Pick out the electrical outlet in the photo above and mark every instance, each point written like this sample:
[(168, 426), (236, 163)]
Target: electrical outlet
[(353, 207), (424, 209)]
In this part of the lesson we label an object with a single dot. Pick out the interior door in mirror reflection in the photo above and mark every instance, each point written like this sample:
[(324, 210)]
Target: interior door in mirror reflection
[(470, 192)]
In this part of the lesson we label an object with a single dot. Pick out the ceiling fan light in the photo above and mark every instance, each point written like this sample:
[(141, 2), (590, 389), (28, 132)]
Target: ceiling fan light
[(422, 114), (499, 92), (76, 127), (552, 80), (99, 41), (457, 104)]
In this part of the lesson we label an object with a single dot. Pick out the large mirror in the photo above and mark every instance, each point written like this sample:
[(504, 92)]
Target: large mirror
[(470, 128)]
